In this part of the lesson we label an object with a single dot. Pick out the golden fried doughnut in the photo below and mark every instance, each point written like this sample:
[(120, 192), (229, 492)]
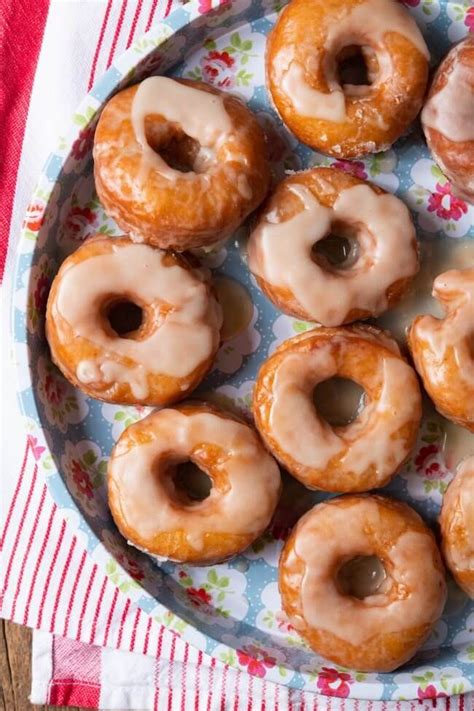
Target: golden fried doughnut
[(448, 118), (381, 248), (442, 348), (158, 516), (149, 134), (370, 625), (457, 526), (361, 455), (304, 53), (169, 348)]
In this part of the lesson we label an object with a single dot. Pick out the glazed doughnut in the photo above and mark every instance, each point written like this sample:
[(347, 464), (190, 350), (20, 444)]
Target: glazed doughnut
[(169, 352), (361, 455), (448, 118), (369, 627), (147, 129), (306, 208), (442, 348), (157, 517), (310, 40), (457, 526)]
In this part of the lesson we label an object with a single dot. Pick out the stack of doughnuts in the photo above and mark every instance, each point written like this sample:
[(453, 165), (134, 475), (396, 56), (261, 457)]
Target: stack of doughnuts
[(176, 180)]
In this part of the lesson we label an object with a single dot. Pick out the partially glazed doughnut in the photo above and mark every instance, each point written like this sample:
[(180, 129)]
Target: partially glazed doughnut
[(367, 452), (448, 118), (157, 517), (304, 209), (311, 38), (159, 362), (146, 133), (377, 629), (457, 526), (442, 348)]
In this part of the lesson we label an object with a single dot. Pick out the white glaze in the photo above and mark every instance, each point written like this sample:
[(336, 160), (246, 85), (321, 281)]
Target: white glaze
[(458, 514), (185, 334), (280, 252), (200, 114), (370, 440), (451, 109), (244, 508), (329, 534), (436, 256), (455, 291), (363, 24)]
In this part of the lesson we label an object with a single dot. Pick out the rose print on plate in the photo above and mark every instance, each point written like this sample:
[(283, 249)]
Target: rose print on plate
[(439, 210), (427, 473), (256, 658), (429, 683), (85, 470), (63, 405), (216, 593)]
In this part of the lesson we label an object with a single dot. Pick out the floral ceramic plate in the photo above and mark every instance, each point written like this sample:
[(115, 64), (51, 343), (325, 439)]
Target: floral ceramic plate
[(232, 611)]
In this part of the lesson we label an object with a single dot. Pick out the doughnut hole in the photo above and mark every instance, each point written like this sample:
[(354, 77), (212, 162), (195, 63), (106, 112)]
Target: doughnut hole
[(176, 148), (361, 576), (188, 484), (339, 401), (125, 318), (339, 250), (356, 69)]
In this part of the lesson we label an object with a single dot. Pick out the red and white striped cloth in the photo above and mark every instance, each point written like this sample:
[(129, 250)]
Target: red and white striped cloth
[(92, 647)]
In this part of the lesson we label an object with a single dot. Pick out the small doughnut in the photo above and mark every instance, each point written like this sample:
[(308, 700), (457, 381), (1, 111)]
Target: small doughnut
[(305, 51), (379, 264), (374, 624), (367, 452), (155, 515), (457, 526), (442, 348), (161, 359), (448, 118), (150, 134)]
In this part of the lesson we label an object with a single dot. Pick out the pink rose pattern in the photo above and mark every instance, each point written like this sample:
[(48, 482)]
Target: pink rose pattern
[(426, 461), (332, 682), (430, 692), (34, 216), (206, 5), (218, 68), (354, 167), (82, 479), (469, 19), (83, 143), (446, 205), (199, 596), (255, 659), (79, 221)]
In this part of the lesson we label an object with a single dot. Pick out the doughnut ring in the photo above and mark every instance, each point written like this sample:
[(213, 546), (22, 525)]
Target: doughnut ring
[(448, 118), (156, 516), (378, 265), (442, 347), (367, 452), (160, 359), (366, 625), (457, 526), (149, 135), (305, 52)]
